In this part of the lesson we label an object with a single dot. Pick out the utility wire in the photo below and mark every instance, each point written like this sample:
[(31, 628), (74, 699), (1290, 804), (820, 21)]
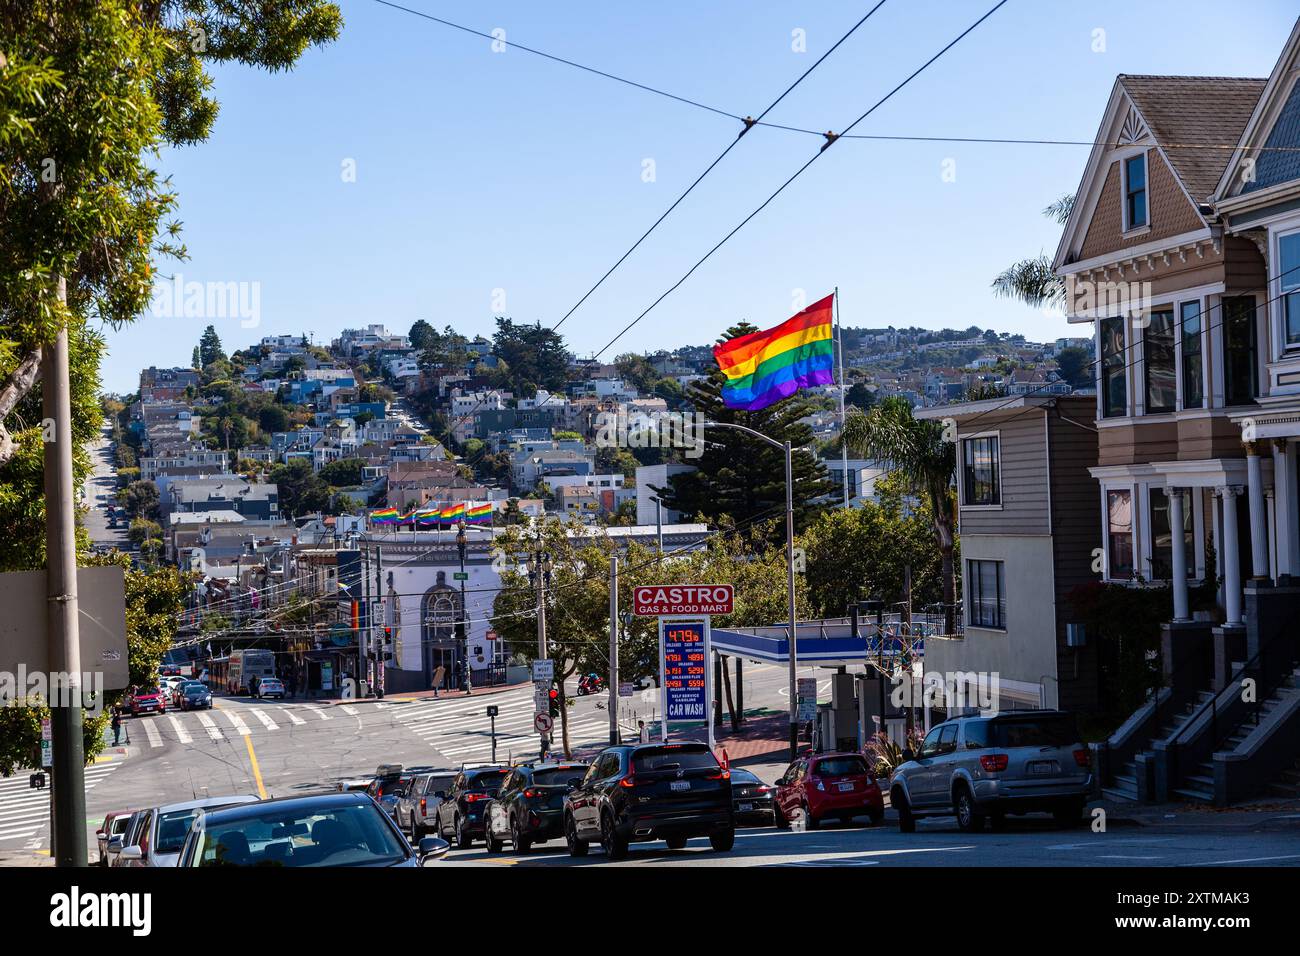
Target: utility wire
[(831, 138)]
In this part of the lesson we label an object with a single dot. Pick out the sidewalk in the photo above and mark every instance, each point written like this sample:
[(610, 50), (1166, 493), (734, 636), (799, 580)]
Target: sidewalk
[(25, 858), (1259, 814)]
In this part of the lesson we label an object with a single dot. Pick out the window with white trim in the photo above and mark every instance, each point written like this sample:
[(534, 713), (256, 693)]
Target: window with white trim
[(986, 594), (1158, 362), (1288, 257), (1193, 357), (1135, 192), (981, 480), (1119, 533)]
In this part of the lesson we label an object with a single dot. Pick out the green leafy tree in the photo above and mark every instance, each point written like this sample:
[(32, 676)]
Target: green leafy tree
[(920, 452), (344, 473), (142, 530), (852, 554), (1075, 366), (422, 334), (210, 348), (140, 499), (740, 477), (535, 355), (301, 492)]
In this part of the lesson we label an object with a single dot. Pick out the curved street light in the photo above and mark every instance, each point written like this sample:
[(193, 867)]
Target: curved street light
[(789, 559)]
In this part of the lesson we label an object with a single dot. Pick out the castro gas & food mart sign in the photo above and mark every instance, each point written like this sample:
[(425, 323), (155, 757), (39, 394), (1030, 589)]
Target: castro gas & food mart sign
[(675, 599)]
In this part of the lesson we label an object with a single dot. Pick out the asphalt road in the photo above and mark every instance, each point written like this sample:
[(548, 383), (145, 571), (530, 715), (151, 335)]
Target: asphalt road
[(103, 481)]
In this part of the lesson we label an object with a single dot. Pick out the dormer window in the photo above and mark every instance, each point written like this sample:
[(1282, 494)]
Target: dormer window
[(1135, 192)]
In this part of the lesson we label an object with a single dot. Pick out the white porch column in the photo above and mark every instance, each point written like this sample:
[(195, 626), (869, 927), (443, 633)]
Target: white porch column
[(1178, 551), (1231, 556), (1284, 506), (1258, 516), (1272, 534)]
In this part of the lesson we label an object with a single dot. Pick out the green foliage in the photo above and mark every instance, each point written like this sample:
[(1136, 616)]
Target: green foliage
[(20, 734), (142, 530), (535, 355), (155, 600), (301, 491), (853, 554), (210, 348), (344, 473), (140, 499), (1075, 366)]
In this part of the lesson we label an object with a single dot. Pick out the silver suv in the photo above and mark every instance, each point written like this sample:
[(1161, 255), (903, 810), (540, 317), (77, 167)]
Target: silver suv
[(987, 767)]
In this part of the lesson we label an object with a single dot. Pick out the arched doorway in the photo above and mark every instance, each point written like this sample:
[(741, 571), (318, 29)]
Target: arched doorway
[(439, 612)]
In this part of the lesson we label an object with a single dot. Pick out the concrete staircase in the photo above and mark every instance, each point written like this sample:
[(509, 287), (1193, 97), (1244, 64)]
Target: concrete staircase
[(1198, 785), (1123, 785)]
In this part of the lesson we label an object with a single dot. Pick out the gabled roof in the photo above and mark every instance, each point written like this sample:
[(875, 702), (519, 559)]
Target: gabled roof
[(1264, 113), (1184, 110)]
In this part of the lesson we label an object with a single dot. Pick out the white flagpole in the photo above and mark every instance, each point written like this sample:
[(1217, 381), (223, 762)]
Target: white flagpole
[(839, 349)]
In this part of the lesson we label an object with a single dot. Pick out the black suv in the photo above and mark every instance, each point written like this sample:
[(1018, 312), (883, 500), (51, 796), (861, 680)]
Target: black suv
[(461, 814), (633, 794), (529, 807)]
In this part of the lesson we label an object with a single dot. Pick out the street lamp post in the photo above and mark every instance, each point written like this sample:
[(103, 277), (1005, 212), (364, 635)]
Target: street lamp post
[(462, 634), (539, 575), (789, 558)]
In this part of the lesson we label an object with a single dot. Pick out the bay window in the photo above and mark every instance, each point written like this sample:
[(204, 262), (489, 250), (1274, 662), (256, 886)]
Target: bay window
[(1193, 357), (1289, 280), (1114, 387), (1158, 361), (1119, 533)]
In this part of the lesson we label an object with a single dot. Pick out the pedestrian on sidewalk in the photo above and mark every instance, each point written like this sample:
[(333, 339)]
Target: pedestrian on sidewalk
[(117, 724), (643, 732)]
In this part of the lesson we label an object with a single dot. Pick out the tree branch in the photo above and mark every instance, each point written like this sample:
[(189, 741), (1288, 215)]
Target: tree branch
[(18, 384)]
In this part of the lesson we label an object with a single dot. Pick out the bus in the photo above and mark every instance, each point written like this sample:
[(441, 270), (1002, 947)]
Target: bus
[(242, 665)]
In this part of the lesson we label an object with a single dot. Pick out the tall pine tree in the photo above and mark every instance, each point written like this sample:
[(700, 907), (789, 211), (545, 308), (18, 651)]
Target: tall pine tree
[(741, 477)]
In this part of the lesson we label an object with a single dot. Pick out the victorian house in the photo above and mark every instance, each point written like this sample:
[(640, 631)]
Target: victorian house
[(1181, 252)]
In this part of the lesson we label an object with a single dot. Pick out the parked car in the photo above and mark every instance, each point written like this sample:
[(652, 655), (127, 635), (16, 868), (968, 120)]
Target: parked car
[(529, 807), (821, 786), (388, 785), (128, 837), (636, 793), (752, 800), (195, 696), (327, 829), (460, 816), (418, 808), (162, 833), (115, 825), (269, 687), (978, 768), (145, 700)]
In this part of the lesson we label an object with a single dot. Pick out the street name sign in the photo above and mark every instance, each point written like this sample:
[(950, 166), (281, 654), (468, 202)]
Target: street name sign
[(544, 670), (682, 599)]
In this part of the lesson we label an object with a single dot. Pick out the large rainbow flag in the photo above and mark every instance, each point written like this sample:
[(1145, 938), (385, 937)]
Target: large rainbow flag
[(764, 367), (384, 516), (479, 514)]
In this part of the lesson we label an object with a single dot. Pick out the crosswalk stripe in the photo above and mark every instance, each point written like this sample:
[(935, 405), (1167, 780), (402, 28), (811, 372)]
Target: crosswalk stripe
[(267, 722), (155, 738), (348, 709), (24, 813), (214, 732), (291, 715), (319, 712), (238, 723), (182, 734)]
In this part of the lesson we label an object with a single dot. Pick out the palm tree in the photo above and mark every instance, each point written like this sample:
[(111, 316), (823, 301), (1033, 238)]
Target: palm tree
[(923, 454), (1032, 281)]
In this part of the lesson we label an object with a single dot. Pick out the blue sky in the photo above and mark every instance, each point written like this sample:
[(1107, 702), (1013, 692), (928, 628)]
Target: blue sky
[(479, 171)]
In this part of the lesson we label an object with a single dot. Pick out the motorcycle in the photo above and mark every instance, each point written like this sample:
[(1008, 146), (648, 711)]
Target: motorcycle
[(591, 684)]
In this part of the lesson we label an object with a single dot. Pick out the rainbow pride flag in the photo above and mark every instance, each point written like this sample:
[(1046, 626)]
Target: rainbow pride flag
[(766, 366), (384, 516), (453, 513), (479, 514)]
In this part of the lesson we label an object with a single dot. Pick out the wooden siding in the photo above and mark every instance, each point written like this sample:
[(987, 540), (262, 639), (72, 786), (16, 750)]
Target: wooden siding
[(1137, 442), (1023, 452), (1169, 211), (1076, 531), (1215, 436), (1244, 267)]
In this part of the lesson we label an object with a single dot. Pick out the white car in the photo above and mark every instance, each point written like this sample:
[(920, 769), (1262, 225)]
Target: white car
[(161, 834)]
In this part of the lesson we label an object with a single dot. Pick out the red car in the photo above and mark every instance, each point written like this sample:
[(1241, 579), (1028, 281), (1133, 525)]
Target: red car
[(146, 700), (828, 785)]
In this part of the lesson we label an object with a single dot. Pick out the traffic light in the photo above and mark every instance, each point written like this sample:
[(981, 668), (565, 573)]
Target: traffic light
[(387, 649), (555, 702)]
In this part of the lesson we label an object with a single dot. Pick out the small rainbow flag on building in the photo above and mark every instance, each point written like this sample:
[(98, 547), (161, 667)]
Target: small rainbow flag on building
[(479, 514), (764, 367)]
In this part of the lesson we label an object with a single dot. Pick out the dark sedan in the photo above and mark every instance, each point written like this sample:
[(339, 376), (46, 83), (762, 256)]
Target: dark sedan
[(330, 829), (751, 799), (196, 697)]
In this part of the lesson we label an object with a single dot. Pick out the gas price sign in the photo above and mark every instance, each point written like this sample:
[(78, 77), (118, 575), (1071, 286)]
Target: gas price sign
[(685, 670)]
